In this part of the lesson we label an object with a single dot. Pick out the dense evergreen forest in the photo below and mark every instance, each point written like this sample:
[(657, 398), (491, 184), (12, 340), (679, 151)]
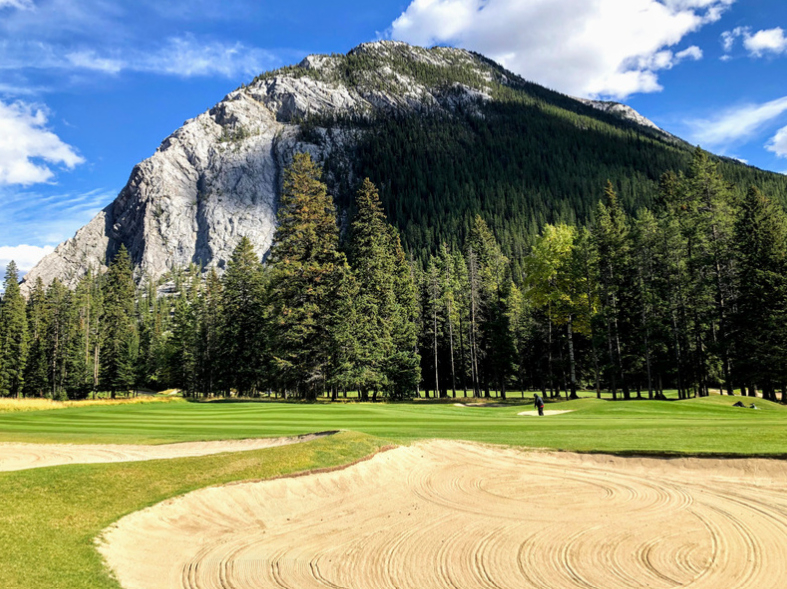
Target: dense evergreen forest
[(521, 156), (688, 293)]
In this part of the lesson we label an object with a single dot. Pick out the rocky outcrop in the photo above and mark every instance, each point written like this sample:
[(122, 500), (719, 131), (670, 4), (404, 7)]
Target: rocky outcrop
[(622, 111), (218, 177)]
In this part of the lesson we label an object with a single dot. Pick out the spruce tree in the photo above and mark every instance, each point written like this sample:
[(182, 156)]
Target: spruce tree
[(58, 304), (611, 240), (308, 276), (761, 238), (37, 368), (385, 301), (243, 331), (121, 343), (13, 336)]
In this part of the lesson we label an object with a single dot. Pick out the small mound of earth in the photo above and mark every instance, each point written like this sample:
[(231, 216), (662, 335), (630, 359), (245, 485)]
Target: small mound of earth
[(440, 515), (546, 412), (15, 456)]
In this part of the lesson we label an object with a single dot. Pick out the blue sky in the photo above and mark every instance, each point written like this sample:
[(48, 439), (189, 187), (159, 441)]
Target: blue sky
[(88, 88)]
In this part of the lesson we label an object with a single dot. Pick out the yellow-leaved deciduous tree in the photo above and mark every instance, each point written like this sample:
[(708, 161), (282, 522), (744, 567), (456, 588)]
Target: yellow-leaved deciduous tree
[(555, 282)]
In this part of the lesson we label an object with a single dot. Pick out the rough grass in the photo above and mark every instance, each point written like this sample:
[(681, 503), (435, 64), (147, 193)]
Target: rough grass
[(697, 426), (14, 405), (49, 517)]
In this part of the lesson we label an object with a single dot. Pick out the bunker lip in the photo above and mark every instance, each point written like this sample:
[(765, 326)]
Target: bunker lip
[(22, 456), (449, 514)]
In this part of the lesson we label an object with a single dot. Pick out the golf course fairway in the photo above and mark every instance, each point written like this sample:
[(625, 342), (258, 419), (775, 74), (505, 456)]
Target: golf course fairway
[(51, 517)]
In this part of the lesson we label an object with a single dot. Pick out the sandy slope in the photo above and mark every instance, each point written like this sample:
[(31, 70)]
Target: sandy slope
[(546, 412), (447, 514), (23, 456)]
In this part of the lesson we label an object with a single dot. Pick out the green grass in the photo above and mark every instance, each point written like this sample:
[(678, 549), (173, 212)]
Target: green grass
[(697, 426), (49, 517)]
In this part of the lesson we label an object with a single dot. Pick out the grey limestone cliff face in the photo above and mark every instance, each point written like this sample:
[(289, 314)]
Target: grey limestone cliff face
[(217, 178)]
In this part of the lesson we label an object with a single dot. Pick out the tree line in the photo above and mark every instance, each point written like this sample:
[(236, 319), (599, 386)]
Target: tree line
[(690, 294)]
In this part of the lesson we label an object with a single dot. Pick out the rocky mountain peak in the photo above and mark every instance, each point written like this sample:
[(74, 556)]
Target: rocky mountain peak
[(218, 177)]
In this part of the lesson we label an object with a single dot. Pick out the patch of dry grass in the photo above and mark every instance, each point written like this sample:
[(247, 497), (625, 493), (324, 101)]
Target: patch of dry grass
[(16, 405)]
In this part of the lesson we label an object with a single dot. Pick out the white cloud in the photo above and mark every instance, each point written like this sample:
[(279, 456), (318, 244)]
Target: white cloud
[(737, 123), (589, 48), (25, 256), (186, 56), (28, 148), (694, 53), (20, 4), (761, 42), (89, 60), (778, 144), (767, 41)]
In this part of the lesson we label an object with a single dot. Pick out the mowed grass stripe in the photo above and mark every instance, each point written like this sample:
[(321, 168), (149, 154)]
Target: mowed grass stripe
[(701, 426)]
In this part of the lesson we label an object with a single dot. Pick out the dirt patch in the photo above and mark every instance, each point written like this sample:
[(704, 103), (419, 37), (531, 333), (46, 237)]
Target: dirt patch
[(447, 514), (23, 456), (482, 405), (546, 412)]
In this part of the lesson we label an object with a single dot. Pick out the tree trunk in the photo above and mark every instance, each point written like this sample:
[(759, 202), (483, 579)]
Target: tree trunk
[(571, 359)]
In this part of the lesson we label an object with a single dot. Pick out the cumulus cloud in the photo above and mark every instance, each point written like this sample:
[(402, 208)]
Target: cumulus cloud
[(778, 144), (764, 42), (694, 53), (25, 256), (611, 48), (28, 148), (737, 123)]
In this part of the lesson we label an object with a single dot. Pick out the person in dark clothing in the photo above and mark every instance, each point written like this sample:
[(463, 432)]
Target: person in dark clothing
[(539, 403)]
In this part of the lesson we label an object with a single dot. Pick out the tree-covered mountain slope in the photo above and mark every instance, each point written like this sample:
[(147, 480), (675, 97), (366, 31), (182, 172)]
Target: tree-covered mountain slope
[(445, 133)]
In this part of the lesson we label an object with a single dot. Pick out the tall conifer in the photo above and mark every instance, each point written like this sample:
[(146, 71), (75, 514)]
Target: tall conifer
[(13, 336)]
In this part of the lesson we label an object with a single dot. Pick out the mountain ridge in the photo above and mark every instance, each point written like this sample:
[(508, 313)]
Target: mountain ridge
[(217, 178)]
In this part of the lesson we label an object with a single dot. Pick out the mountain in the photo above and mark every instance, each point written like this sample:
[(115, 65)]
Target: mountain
[(445, 133)]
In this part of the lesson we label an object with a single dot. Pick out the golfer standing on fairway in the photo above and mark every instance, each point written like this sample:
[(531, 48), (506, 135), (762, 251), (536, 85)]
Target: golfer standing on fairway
[(539, 402)]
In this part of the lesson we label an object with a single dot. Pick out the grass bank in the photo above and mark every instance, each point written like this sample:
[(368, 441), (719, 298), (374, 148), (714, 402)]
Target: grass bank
[(49, 517)]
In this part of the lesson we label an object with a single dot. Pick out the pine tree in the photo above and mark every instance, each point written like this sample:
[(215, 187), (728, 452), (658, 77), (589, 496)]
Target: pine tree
[(403, 366), (372, 260), (243, 332), (611, 240), (210, 313), (13, 336), (58, 308), (121, 343), (761, 238), (37, 369), (308, 274)]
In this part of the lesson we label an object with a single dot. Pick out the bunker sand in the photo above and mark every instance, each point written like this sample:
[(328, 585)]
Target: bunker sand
[(547, 412), (24, 456), (447, 514)]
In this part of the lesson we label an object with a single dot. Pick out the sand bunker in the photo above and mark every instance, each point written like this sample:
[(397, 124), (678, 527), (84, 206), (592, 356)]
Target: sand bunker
[(546, 412), (23, 456), (446, 514)]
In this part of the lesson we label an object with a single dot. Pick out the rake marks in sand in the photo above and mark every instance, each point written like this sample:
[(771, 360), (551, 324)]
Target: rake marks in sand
[(446, 514)]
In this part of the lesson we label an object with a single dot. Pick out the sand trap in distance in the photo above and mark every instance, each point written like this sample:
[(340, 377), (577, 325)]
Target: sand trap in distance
[(443, 514), (15, 456), (546, 412)]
